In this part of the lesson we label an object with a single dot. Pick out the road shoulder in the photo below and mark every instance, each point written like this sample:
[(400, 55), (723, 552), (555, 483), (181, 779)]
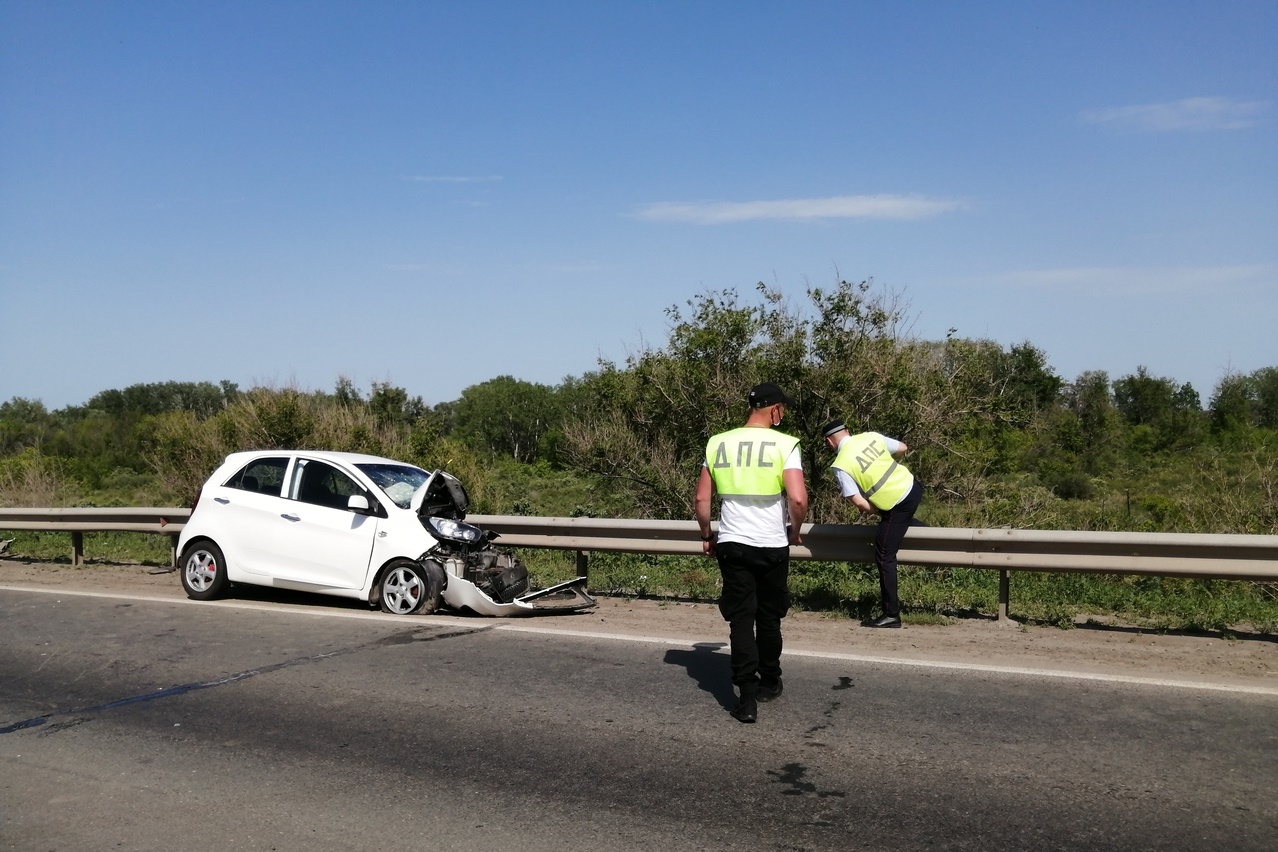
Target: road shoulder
[(1107, 650)]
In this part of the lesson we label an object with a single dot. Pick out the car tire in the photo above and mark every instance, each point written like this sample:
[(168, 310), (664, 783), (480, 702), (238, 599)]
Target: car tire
[(203, 571), (409, 587)]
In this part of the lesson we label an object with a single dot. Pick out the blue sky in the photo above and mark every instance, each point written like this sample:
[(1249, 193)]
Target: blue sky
[(434, 194)]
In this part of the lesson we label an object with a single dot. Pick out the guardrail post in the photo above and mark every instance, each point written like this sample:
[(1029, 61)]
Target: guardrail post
[(173, 554), (1004, 592), (77, 548), (583, 563)]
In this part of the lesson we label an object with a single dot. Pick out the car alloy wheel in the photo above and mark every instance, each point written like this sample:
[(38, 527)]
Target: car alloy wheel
[(409, 587), (203, 571)]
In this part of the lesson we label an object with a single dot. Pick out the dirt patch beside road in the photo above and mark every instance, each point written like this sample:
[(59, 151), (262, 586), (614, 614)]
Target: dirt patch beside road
[(1250, 660)]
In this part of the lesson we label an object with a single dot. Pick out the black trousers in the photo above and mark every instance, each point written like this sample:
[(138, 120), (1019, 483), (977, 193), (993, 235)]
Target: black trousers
[(887, 541), (756, 596)]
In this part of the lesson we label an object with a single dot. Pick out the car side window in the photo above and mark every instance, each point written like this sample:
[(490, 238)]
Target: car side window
[(265, 476), (322, 484)]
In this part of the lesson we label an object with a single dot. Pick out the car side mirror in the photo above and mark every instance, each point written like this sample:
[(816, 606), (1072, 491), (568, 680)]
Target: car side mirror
[(359, 503)]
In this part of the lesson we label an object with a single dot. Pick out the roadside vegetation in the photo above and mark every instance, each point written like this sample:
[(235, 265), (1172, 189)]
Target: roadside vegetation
[(999, 439)]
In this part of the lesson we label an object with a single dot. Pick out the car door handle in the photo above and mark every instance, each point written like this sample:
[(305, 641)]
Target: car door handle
[(290, 517), (221, 500)]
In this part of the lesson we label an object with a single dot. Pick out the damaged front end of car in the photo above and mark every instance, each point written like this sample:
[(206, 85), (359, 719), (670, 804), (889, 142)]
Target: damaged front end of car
[(479, 576)]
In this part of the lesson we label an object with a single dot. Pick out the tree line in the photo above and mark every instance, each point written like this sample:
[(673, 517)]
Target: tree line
[(997, 436)]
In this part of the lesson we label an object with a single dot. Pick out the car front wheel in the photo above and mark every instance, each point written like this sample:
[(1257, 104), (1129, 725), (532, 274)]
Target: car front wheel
[(204, 571), (411, 587)]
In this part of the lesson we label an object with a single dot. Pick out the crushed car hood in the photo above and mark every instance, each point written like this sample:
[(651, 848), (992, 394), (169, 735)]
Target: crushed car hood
[(473, 572), (441, 496)]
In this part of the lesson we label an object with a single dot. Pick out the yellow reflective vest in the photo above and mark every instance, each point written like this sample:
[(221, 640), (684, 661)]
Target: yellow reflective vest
[(882, 480), (749, 461)]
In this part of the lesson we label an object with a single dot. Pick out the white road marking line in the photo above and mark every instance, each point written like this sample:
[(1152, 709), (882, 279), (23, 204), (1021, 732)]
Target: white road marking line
[(933, 664), (714, 645)]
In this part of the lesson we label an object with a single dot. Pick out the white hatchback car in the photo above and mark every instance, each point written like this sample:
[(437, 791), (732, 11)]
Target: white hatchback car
[(355, 526)]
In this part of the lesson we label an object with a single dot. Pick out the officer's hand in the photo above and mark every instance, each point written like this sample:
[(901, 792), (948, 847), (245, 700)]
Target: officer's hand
[(793, 534), (707, 546)]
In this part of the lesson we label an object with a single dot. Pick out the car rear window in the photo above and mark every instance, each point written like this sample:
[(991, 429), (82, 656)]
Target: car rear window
[(265, 476)]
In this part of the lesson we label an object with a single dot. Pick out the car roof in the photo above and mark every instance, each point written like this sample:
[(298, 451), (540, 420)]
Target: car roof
[(322, 455)]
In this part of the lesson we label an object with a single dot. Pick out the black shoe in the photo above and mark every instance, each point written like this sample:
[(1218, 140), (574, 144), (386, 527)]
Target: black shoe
[(746, 711), (770, 692), (885, 621)]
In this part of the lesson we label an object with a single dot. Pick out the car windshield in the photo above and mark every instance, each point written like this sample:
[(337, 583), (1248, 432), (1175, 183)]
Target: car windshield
[(399, 481)]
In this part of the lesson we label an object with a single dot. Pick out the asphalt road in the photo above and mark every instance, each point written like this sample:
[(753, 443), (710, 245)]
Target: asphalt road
[(146, 725)]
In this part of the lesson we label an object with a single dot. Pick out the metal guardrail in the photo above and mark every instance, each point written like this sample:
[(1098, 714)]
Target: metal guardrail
[(1231, 557), (1225, 557), (158, 520), (77, 522)]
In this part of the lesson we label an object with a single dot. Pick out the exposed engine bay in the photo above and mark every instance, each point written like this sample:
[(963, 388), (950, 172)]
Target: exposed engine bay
[(466, 553)]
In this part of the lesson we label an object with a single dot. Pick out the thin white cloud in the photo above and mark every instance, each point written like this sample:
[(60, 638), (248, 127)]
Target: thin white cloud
[(907, 207), (451, 179), (1188, 114), (1211, 281), (586, 267), (413, 267), (491, 270)]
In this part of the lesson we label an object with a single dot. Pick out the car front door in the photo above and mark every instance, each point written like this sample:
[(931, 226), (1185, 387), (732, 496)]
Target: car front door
[(321, 542)]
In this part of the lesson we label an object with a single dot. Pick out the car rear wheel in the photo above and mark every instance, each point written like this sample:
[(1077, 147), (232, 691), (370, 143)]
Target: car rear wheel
[(203, 571), (410, 587)]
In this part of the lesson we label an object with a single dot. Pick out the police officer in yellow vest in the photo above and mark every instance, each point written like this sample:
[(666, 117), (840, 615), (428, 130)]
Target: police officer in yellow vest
[(758, 474), (870, 476)]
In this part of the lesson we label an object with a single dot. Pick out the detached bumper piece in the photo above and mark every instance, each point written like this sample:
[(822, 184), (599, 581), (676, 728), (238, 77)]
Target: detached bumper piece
[(568, 596)]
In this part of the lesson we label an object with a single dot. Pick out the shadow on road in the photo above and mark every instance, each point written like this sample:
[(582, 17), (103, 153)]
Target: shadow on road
[(708, 669)]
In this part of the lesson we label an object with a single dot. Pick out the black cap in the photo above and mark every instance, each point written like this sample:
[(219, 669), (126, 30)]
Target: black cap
[(763, 395), (833, 426)]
